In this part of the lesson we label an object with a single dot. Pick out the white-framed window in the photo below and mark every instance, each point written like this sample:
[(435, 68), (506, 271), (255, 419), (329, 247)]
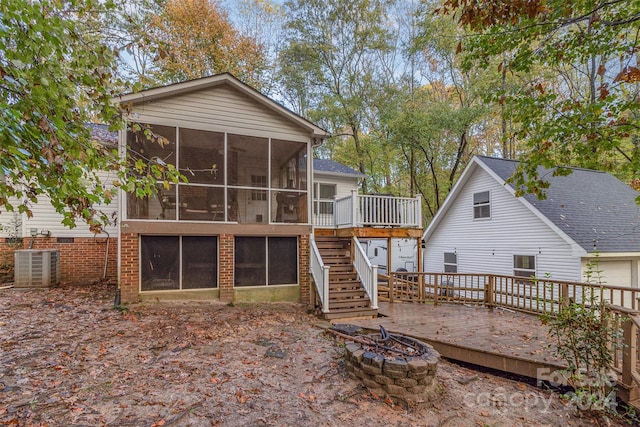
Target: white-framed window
[(524, 265), (324, 196), (450, 262), (481, 205)]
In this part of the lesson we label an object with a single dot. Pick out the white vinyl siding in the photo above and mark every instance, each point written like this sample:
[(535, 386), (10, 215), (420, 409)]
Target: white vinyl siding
[(11, 222), (489, 246), (46, 218), (221, 109), (344, 185)]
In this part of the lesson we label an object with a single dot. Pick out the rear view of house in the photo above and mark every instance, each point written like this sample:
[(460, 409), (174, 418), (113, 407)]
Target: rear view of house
[(239, 230), (483, 228)]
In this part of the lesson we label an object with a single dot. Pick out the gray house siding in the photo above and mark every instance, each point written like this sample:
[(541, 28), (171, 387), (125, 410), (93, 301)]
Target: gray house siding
[(489, 244), (220, 108)]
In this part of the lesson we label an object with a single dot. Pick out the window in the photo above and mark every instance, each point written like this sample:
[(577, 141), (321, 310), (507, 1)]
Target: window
[(481, 205), (450, 262), (325, 195), (162, 267), (258, 181), (261, 261), (524, 265)]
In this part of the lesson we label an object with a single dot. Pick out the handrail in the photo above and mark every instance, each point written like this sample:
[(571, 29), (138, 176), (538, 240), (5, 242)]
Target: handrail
[(368, 273), (357, 210), (320, 274)]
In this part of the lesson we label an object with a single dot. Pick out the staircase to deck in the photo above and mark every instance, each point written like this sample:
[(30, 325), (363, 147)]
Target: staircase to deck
[(347, 296)]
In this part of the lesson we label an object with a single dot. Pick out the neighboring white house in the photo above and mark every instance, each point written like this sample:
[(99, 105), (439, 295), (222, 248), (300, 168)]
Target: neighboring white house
[(482, 227)]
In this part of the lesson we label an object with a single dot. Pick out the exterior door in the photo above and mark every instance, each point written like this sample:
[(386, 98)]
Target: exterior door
[(257, 204)]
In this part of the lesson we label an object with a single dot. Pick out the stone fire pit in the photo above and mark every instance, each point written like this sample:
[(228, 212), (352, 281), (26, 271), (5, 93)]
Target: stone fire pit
[(396, 366)]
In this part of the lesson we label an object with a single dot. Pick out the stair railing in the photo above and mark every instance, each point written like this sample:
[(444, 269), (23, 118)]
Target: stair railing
[(320, 274), (367, 272)]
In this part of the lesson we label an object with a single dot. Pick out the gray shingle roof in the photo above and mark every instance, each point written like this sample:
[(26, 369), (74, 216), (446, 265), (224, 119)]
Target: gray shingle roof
[(102, 134), (329, 166), (591, 207)]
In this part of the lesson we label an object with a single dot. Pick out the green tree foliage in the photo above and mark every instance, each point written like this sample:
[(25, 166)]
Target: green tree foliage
[(330, 63), (582, 110), (56, 75)]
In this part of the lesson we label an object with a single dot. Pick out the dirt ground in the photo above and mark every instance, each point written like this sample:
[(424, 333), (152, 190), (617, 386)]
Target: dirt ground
[(68, 358)]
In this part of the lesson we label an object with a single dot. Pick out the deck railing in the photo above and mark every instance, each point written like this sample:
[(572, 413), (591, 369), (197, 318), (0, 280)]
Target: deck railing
[(367, 272), (358, 210), (625, 352), (535, 296), (320, 274), (523, 294)]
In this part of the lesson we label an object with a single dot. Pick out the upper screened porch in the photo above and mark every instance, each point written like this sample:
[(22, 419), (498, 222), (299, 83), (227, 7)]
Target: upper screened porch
[(232, 178)]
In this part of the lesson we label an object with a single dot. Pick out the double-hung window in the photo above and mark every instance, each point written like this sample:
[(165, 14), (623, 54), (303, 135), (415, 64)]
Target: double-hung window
[(481, 205), (524, 265), (450, 262)]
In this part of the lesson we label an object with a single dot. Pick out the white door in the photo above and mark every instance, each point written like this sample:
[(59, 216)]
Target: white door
[(257, 201)]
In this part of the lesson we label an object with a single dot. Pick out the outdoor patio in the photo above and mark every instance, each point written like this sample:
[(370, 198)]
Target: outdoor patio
[(500, 339)]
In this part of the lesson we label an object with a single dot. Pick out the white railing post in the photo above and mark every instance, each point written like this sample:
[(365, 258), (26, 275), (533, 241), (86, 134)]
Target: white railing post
[(419, 210), (354, 208), (374, 292), (367, 273), (325, 289), (320, 274)]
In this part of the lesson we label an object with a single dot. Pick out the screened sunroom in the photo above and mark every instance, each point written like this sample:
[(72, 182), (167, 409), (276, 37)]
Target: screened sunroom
[(232, 178)]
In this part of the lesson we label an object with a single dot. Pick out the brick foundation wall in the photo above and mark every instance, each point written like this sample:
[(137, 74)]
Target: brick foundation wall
[(81, 262), (225, 263), (129, 274), (305, 279)]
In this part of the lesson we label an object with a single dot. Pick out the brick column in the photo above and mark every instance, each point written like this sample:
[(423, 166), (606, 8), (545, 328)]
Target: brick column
[(303, 268), (225, 263), (129, 271)]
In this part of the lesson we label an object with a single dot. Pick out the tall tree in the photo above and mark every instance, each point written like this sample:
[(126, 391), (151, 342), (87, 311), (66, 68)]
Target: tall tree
[(584, 110), (194, 38), (56, 75), (331, 63)]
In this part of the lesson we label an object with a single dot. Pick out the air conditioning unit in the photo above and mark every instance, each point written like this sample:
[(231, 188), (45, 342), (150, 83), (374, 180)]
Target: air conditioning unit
[(36, 268)]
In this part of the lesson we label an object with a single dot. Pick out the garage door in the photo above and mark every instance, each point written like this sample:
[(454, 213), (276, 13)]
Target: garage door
[(616, 273)]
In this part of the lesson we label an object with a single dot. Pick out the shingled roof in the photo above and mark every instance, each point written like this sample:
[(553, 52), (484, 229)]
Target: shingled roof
[(592, 207), (335, 168), (102, 134)]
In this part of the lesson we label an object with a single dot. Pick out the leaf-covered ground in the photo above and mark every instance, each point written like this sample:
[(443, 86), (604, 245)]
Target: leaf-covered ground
[(68, 358)]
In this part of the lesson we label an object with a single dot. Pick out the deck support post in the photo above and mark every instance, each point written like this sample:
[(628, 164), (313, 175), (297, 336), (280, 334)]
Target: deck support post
[(564, 295), (436, 288), (630, 358), (489, 288)]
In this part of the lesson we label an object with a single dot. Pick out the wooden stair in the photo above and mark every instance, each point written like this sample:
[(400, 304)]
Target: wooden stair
[(347, 297)]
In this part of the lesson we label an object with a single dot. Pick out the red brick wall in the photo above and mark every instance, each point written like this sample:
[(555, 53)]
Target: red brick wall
[(129, 274), (225, 261), (303, 262), (81, 262)]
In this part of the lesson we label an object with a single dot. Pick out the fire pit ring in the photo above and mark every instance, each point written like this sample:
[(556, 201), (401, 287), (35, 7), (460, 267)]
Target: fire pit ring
[(397, 366)]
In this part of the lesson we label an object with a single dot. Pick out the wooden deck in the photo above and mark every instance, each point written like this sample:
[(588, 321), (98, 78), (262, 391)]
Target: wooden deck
[(501, 339)]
